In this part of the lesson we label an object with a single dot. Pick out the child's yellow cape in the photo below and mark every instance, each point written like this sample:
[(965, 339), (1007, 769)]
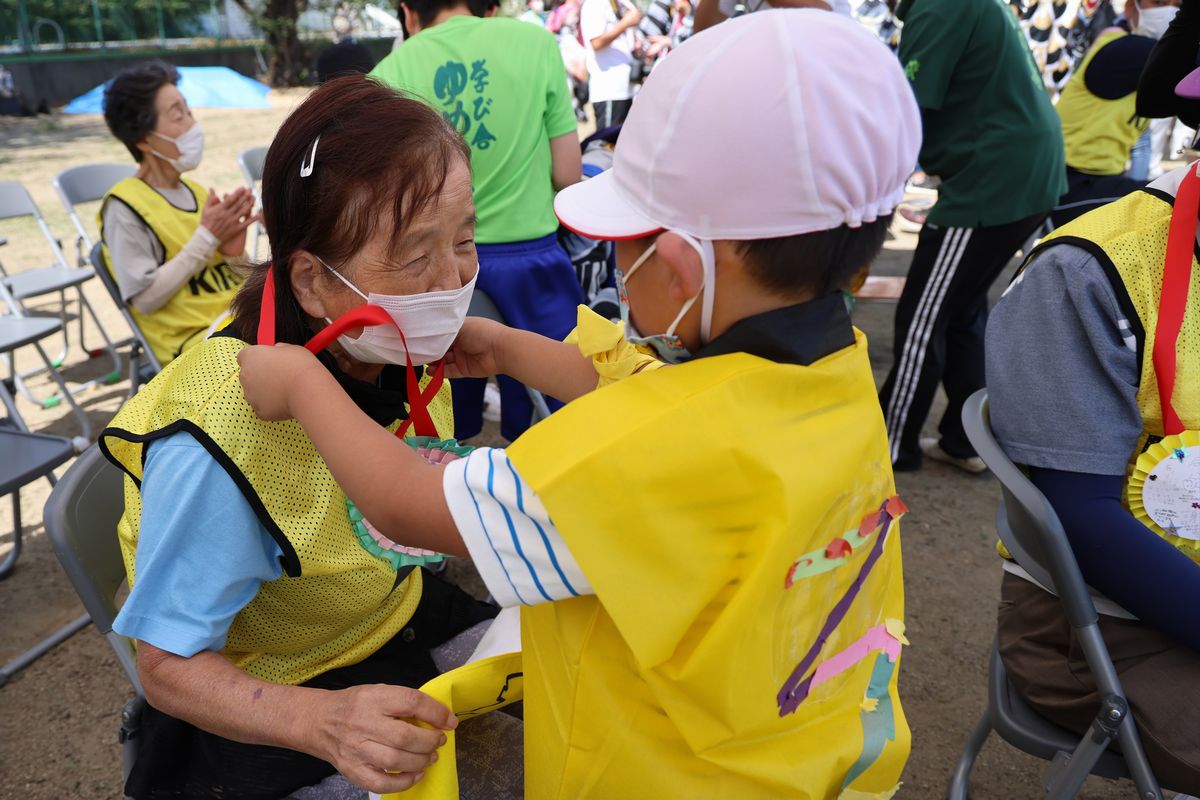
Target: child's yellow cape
[(475, 688), (737, 520)]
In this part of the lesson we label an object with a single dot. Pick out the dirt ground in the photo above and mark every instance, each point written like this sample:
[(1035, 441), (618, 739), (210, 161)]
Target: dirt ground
[(59, 718)]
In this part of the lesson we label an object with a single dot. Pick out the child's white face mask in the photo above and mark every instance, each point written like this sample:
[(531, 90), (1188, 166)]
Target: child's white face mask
[(669, 345), (430, 322)]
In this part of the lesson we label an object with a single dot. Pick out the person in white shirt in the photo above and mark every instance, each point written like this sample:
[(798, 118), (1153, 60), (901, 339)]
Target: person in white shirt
[(607, 27)]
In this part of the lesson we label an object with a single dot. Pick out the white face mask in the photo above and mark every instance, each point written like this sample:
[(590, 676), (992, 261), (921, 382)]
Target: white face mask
[(430, 321), (191, 148), (1153, 22)]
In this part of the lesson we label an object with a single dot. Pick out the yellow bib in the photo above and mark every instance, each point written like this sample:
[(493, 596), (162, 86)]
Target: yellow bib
[(1098, 133), (744, 636), (337, 603), (1129, 237), (185, 318)]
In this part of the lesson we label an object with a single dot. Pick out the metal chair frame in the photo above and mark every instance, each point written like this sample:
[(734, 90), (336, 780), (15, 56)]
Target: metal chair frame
[(15, 202), (1033, 534)]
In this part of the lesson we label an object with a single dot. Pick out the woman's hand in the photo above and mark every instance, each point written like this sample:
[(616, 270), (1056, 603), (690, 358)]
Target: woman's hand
[(272, 376), (474, 352), (367, 732), (228, 217)]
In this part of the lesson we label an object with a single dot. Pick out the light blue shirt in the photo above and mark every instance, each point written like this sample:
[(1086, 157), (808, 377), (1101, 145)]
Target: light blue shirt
[(201, 554)]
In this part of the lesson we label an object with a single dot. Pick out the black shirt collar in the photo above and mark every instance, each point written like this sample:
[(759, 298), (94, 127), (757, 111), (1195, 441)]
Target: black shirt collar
[(383, 401), (801, 334)]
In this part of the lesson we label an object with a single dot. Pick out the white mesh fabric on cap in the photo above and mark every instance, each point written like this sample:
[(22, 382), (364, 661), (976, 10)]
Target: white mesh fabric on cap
[(773, 124)]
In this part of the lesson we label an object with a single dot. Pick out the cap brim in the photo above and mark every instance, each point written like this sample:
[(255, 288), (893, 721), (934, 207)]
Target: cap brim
[(1189, 87), (594, 208)]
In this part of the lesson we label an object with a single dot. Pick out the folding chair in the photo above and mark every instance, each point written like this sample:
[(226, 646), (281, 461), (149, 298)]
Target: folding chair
[(81, 519), (27, 457), (251, 162), (56, 279), (483, 306), (1034, 535), (140, 371), (87, 184)]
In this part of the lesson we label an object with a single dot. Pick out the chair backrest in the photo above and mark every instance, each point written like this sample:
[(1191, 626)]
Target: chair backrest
[(81, 518), (251, 162), (15, 201), (86, 184), (100, 265), (1026, 521)]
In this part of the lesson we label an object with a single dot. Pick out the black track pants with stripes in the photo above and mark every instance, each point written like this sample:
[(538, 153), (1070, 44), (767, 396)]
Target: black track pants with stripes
[(939, 328)]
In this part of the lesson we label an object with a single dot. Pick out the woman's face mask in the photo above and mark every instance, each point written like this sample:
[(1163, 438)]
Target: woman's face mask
[(191, 148), (669, 345), (430, 321)]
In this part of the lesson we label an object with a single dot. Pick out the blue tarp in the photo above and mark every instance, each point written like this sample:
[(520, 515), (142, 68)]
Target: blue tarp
[(202, 87)]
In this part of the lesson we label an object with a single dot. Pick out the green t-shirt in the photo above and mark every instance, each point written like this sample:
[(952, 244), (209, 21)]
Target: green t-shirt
[(502, 84), (991, 133)]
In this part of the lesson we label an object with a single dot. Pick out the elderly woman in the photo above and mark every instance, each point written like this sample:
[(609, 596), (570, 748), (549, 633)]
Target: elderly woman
[(165, 237), (275, 634)]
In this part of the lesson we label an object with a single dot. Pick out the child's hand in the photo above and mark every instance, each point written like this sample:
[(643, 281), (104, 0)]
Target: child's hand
[(473, 354), (272, 376)]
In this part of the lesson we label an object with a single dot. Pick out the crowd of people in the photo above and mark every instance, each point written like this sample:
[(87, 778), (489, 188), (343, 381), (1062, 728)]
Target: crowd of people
[(702, 612)]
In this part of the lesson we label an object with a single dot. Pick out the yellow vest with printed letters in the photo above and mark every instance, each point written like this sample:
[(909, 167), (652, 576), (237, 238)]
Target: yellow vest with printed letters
[(187, 315), (1098, 133), (336, 603), (710, 556), (1131, 236)]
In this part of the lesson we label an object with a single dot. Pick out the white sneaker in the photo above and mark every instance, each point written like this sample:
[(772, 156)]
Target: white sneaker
[(932, 448), (491, 402)]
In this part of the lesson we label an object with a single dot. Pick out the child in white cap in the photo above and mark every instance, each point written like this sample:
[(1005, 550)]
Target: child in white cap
[(705, 547)]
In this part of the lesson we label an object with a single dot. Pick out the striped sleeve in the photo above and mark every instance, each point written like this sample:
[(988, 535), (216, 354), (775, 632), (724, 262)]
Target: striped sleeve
[(508, 532)]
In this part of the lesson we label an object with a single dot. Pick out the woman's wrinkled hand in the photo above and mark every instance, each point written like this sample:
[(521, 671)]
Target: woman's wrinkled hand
[(272, 376), (473, 354), (367, 732)]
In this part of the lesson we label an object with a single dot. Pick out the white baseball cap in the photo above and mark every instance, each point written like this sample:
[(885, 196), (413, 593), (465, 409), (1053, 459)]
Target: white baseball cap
[(769, 125)]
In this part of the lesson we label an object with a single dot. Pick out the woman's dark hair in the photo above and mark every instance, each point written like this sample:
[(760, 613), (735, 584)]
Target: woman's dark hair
[(815, 263), (129, 102), (382, 158)]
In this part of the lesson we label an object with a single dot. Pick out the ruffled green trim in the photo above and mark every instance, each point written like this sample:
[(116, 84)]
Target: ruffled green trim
[(393, 557), (434, 443)]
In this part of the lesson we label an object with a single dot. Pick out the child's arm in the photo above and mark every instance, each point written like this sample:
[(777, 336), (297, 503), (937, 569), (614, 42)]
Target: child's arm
[(392, 486), (554, 368)]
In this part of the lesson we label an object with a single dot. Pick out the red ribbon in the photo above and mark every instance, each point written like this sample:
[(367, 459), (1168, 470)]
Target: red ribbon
[(364, 316), (1172, 302)]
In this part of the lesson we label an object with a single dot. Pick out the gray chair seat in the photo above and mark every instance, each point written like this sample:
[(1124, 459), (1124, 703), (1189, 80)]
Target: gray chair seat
[(37, 282), (29, 456), (1027, 730), (19, 331)]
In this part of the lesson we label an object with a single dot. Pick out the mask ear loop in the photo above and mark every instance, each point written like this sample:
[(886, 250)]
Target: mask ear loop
[(708, 286), (362, 317)]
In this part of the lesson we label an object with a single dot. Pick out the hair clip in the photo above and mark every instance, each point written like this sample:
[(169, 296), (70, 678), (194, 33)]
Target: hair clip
[(306, 169)]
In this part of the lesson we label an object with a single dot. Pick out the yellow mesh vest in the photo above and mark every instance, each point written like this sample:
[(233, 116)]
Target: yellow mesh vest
[(183, 320), (1129, 237), (336, 603), (1098, 133), (666, 682)]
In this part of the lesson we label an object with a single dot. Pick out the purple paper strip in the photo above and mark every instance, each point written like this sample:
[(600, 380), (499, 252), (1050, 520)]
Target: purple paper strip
[(796, 687)]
